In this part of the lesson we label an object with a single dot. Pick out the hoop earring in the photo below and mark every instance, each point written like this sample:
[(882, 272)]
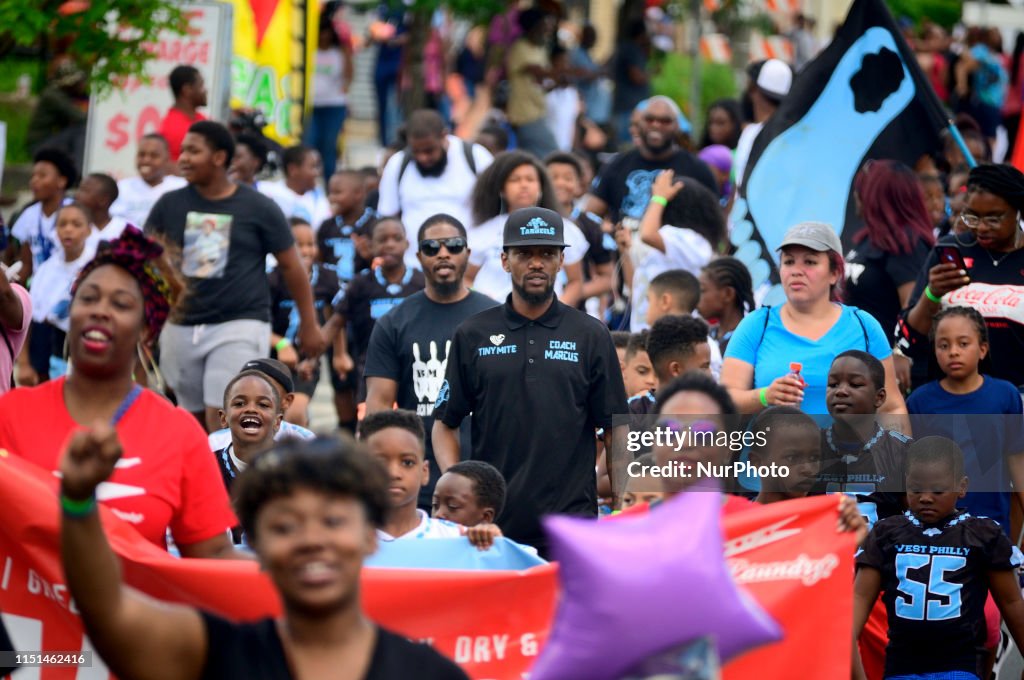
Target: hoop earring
[(152, 369)]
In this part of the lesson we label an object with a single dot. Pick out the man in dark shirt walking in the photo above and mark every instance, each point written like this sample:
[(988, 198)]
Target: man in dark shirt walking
[(408, 352), (539, 378)]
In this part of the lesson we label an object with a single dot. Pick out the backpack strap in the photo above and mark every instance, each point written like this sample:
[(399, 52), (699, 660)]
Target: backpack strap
[(406, 160), (467, 151)]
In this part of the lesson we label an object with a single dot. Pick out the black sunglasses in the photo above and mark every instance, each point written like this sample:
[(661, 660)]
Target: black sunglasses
[(432, 246)]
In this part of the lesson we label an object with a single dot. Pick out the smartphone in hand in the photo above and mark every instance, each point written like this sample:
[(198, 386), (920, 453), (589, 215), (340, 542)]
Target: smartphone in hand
[(951, 255)]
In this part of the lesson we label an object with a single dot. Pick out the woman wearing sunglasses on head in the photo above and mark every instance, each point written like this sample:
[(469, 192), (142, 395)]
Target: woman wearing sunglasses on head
[(982, 268), (409, 346)]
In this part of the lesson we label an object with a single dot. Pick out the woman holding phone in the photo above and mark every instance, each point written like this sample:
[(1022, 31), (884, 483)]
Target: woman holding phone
[(983, 269)]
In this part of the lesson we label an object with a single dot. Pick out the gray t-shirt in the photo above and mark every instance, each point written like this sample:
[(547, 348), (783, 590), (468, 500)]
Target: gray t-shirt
[(224, 246)]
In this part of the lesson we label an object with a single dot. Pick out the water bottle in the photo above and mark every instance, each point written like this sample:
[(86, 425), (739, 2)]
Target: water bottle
[(794, 372)]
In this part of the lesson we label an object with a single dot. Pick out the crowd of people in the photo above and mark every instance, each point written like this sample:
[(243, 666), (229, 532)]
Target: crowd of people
[(497, 316)]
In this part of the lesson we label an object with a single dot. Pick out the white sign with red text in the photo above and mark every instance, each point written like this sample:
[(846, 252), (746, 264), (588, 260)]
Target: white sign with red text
[(135, 108)]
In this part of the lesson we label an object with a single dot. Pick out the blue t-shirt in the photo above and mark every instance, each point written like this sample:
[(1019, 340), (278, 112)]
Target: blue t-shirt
[(770, 349), (977, 422), (990, 78)]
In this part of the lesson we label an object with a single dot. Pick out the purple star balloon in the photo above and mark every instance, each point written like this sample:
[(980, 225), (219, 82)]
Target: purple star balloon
[(633, 587)]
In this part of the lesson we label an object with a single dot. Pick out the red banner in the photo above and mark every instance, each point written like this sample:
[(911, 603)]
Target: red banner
[(788, 556)]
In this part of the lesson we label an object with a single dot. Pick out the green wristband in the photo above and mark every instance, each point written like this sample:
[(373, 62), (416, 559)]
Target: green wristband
[(660, 200), (931, 296), (282, 343), (73, 508), (762, 394)]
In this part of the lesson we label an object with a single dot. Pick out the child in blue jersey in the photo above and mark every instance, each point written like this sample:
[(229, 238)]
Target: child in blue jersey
[(860, 457), (966, 406), (284, 319), (936, 565)]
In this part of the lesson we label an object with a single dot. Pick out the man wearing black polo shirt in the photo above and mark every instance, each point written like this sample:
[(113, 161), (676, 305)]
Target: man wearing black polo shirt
[(408, 352), (539, 378)]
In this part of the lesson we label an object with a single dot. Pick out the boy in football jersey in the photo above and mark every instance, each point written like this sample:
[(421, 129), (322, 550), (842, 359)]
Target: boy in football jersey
[(935, 565), (860, 457)]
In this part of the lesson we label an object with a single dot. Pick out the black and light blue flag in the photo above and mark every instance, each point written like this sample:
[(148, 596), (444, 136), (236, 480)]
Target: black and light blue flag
[(863, 97)]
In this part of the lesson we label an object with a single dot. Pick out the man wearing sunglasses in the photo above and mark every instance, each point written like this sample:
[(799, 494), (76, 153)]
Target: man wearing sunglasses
[(623, 189), (539, 377), (408, 352)]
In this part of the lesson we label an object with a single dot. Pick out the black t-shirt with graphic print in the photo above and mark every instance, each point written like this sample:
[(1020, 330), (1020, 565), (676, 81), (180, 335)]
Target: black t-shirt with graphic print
[(367, 298), (625, 183), (410, 345), (338, 249), (224, 246)]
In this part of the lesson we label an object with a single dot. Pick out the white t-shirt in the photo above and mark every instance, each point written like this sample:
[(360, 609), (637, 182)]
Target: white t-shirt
[(743, 148), (329, 78), (39, 231), (220, 439), (427, 528), (485, 242), (51, 285), (113, 230), (563, 110), (684, 249), (419, 197), (311, 206), (135, 198)]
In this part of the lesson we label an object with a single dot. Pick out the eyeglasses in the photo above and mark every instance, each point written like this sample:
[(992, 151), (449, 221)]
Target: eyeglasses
[(990, 221), (661, 120), (432, 246)]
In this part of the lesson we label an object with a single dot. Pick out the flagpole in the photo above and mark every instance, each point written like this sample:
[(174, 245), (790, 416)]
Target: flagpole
[(959, 139)]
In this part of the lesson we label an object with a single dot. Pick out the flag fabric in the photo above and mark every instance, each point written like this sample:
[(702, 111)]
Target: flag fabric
[(863, 97), (453, 553), (787, 556)]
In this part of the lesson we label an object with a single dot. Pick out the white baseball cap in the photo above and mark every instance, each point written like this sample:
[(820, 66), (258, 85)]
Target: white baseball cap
[(775, 78)]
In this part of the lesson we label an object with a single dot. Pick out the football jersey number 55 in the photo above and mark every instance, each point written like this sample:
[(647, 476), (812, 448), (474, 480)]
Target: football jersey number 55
[(914, 602)]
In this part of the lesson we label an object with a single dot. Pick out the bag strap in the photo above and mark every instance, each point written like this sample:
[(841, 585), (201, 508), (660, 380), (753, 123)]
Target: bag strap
[(767, 314), (863, 329)]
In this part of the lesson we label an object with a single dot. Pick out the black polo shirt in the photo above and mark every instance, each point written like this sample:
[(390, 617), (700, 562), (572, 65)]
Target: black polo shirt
[(537, 391)]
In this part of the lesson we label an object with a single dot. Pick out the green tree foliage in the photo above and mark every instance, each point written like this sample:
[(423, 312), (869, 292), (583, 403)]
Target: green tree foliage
[(942, 12), (717, 81), (106, 38)]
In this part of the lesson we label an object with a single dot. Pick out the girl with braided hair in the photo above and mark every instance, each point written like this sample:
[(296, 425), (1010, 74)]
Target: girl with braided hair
[(168, 480), (726, 296), (991, 278)]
